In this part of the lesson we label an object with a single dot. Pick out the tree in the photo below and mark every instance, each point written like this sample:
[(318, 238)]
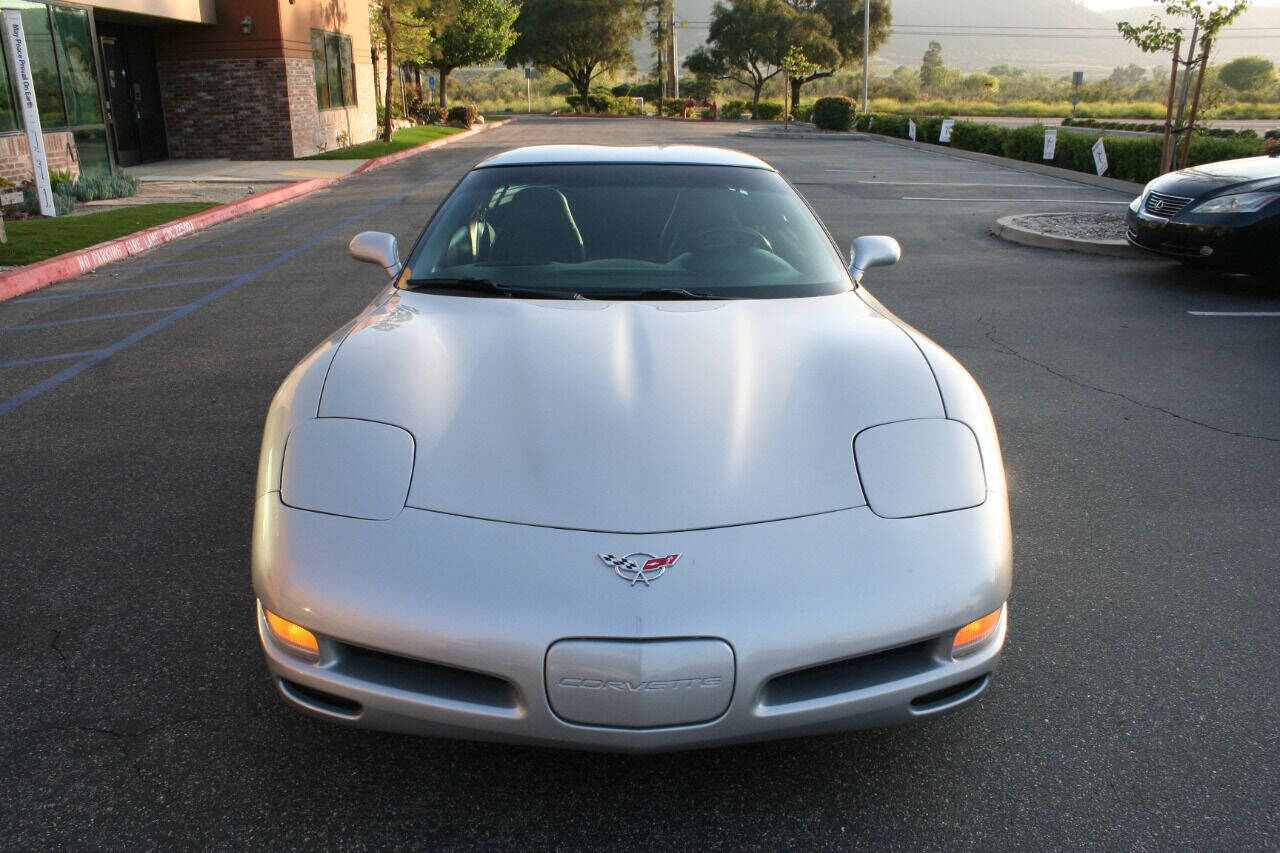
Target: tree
[(841, 45), (469, 32), (932, 62), (1248, 75), (979, 84), (579, 38), (1207, 18), (796, 65), (748, 41), (398, 28)]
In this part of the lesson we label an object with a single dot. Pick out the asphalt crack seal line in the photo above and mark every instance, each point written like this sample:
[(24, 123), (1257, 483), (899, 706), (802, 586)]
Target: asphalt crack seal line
[(1008, 350)]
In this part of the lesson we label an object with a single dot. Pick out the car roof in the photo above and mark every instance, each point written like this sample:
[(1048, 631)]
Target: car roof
[(673, 155)]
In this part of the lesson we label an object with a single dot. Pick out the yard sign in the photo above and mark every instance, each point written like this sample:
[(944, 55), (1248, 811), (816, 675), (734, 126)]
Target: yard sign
[(1099, 156), (1050, 143), (944, 135), (911, 129), (15, 41)]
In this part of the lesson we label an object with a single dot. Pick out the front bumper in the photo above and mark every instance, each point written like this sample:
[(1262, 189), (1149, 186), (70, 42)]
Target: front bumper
[(442, 625), (1245, 242)]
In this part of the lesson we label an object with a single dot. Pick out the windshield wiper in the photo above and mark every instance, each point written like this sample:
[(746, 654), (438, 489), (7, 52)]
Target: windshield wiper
[(485, 287), (653, 293)]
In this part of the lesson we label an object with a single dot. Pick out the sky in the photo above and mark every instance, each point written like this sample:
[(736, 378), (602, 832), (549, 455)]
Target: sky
[(1124, 4)]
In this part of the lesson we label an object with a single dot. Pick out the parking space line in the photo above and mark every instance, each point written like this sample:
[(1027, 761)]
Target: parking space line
[(48, 297), (1234, 313), (89, 319), (32, 391), (1080, 187), (1008, 200), (217, 259), (40, 359)]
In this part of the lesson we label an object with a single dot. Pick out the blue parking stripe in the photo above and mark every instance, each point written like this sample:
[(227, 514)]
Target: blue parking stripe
[(41, 359), (215, 259), (89, 319), (71, 371), (76, 294)]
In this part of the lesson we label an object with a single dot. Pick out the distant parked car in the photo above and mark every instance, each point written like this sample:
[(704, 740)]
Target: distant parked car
[(1224, 215)]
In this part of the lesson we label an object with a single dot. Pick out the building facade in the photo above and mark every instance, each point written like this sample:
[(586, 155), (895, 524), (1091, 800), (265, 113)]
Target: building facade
[(121, 82)]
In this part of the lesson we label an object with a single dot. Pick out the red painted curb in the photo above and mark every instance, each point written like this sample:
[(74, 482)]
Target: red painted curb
[(71, 264)]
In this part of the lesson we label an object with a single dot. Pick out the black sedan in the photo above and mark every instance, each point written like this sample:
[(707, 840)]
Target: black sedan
[(1224, 215)]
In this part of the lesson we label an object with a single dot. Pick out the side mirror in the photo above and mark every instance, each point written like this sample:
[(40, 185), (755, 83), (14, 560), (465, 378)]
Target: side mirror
[(868, 252), (377, 247)]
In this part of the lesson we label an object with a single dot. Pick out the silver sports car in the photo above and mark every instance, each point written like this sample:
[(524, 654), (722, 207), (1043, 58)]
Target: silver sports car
[(625, 457)]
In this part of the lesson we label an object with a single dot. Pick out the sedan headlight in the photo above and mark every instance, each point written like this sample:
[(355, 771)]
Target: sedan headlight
[(360, 469), (919, 467), (1238, 203)]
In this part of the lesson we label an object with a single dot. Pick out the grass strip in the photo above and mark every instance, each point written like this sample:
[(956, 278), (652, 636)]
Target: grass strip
[(406, 137), (35, 239)]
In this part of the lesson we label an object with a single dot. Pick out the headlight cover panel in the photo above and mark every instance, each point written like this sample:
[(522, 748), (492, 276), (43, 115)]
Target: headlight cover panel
[(349, 467), (919, 467)]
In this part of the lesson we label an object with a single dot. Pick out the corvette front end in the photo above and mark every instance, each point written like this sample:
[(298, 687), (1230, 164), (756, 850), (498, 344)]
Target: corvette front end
[(442, 625)]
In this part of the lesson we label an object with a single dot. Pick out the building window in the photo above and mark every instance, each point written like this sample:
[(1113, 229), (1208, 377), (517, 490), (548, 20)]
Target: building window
[(8, 109), (62, 68), (334, 69)]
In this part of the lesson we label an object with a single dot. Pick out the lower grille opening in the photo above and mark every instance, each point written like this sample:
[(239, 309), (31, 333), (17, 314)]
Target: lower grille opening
[(845, 676), (320, 700), (952, 695), (427, 679)]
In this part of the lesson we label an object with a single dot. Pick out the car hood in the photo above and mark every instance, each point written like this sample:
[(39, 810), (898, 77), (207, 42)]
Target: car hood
[(630, 416), (1247, 173)]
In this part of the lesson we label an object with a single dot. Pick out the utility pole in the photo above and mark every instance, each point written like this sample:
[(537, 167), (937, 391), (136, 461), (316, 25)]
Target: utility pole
[(866, 51), (673, 67)]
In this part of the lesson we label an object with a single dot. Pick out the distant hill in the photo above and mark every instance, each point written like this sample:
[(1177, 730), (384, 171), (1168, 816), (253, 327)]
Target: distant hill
[(1256, 33), (996, 32)]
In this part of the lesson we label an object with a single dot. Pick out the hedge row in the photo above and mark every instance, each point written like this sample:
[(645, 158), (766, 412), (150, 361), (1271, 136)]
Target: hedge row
[(1221, 132), (1134, 159)]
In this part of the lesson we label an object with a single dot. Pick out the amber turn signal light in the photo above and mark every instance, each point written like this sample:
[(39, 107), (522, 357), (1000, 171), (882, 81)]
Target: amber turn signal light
[(292, 633), (976, 632)]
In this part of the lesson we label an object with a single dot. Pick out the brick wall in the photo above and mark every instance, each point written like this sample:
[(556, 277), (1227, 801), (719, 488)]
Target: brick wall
[(238, 108), (15, 156), (324, 130), (257, 109)]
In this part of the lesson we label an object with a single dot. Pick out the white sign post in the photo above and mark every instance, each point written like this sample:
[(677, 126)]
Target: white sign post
[(1050, 143), (15, 42), (944, 135), (911, 129), (1099, 156)]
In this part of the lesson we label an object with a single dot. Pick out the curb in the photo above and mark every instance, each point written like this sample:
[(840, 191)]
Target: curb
[(80, 261), (1005, 229)]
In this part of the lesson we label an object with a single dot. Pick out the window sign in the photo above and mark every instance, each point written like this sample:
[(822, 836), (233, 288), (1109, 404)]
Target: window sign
[(15, 41)]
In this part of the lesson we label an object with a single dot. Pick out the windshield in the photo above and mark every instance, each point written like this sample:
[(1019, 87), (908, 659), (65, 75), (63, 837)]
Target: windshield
[(626, 231)]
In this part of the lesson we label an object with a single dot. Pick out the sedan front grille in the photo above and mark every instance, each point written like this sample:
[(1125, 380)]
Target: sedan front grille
[(1162, 204)]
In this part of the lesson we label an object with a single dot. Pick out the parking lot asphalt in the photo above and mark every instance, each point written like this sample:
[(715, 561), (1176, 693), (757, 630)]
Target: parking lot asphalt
[(1135, 708)]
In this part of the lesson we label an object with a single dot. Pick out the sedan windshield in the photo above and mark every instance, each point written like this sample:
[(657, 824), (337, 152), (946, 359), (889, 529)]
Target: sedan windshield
[(611, 231)]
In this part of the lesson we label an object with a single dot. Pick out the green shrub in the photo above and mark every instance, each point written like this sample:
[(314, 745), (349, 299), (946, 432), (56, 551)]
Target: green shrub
[(983, 138), (1025, 143), (734, 108), (62, 202), (804, 112), (597, 102), (834, 113), (768, 110), (463, 115)]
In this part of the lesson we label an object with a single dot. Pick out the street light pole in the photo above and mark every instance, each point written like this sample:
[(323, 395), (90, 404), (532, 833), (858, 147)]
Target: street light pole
[(866, 51)]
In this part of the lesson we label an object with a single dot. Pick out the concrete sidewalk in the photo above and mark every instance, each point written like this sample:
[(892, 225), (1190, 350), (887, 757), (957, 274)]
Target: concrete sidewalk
[(243, 171)]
